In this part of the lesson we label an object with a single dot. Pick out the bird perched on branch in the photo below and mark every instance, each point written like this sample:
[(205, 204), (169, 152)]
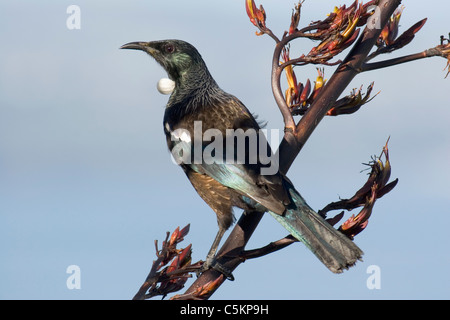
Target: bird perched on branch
[(200, 114)]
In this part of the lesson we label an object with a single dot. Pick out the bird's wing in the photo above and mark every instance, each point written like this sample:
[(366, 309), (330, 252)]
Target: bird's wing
[(246, 178)]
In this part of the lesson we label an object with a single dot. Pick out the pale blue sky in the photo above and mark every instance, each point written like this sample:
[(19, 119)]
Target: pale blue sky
[(85, 177)]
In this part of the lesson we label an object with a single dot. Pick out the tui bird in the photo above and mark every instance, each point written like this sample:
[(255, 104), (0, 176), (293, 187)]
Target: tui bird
[(196, 106)]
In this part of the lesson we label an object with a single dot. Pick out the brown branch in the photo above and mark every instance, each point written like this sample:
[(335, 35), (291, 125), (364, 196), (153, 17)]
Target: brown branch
[(270, 248), (288, 119), (433, 52)]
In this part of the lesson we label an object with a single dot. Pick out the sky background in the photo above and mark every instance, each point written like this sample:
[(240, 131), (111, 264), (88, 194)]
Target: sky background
[(86, 180)]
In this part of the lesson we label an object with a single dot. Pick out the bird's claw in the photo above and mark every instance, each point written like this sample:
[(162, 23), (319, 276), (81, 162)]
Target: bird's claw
[(211, 263), (223, 270)]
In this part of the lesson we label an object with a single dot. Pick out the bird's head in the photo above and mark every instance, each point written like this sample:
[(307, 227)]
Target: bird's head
[(177, 57)]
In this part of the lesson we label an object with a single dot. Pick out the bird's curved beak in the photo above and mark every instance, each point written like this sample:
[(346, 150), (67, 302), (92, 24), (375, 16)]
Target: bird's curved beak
[(135, 45), (144, 46)]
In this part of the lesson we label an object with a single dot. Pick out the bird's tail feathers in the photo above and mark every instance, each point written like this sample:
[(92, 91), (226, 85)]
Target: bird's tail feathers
[(334, 249)]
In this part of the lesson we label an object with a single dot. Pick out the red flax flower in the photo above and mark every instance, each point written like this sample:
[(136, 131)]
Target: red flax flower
[(172, 280), (170, 247), (257, 16), (355, 225), (292, 91), (171, 269), (444, 50), (298, 95), (302, 98), (351, 103), (388, 40), (319, 83), (390, 31), (337, 32), (295, 18), (375, 187)]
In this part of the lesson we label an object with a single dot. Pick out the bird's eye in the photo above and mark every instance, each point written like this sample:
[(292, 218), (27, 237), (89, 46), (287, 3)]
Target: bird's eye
[(169, 48)]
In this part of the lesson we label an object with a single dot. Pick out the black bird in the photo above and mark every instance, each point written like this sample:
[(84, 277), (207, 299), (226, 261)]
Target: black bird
[(197, 105)]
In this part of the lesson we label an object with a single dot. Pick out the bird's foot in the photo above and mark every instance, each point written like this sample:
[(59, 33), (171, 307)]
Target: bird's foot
[(211, 263)]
